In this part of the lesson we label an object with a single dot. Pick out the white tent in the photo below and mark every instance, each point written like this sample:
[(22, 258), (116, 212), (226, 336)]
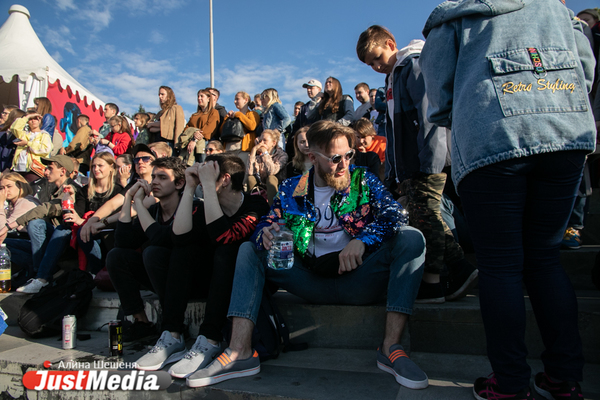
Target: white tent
[(25, 64)]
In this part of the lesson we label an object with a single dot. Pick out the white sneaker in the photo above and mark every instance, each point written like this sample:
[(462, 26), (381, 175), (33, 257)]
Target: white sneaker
[(167, 350), (200, 355), (32, 286)]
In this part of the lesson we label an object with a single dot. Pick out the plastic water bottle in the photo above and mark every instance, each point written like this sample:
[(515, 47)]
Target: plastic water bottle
[(281, 254), (5, 271)]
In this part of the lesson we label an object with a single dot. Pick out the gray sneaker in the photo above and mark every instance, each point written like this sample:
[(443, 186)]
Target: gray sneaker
[(32, 286), (199, 356), (407, 373), (223, 368), (167, 350)]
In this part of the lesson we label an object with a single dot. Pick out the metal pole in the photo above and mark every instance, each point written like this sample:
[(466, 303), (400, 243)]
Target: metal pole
[(212, 50)]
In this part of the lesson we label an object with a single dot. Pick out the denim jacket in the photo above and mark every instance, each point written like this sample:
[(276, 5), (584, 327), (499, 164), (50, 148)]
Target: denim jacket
[(414, 144), (276, 118), (510, 78), (366, 210)]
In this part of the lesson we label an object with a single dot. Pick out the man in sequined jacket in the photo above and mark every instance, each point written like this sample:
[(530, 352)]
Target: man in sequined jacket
[(351, 245)]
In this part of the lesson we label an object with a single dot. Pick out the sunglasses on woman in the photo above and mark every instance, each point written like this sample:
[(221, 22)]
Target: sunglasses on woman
[(337, 158)]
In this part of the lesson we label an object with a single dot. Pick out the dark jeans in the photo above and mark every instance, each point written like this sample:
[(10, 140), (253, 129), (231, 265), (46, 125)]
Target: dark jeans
[(517, 211), (219, 273), (168, 272), (92, 251)]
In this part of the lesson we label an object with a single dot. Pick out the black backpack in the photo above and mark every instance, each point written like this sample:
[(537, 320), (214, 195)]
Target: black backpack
[(233, 130), (270, 331), (41, 315)]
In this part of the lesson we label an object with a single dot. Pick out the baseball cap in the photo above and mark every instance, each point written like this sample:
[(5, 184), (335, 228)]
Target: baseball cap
[(63, 161), (312, 82), (142, 147)]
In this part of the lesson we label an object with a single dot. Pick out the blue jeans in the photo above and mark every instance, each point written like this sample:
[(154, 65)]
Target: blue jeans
[(48, 243), (396, 268), (39, 240), (578, 215), (20, 254), (517, 211)]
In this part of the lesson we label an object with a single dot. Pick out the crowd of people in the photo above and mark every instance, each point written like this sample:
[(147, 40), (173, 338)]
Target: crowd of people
[(194, 206)]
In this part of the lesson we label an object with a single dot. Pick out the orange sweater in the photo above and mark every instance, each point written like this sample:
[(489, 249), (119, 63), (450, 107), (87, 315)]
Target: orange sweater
[(250, 121), (207, 123), (378, 146)]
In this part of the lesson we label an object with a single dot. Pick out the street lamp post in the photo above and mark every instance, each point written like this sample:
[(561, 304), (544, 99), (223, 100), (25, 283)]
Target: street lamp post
[(212, 51)]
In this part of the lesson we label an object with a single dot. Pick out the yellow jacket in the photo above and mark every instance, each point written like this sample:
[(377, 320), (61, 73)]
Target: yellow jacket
[(39, 144)]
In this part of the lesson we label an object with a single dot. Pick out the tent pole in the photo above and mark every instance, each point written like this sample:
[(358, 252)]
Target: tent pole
[(212, 52)]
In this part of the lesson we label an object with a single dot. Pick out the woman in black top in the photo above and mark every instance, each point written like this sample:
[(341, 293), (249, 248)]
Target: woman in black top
[(101, 188), (335, 106)]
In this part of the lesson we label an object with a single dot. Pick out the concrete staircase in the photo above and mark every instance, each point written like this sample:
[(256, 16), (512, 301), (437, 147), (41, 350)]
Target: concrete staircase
[(446, 340)]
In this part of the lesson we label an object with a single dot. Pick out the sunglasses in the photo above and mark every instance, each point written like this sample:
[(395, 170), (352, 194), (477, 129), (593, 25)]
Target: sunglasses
[(145, 159), (210, 150), (337, 158)]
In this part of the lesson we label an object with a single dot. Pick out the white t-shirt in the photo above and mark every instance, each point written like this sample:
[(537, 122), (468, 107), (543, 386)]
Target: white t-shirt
[(329, 236), (373, 116)]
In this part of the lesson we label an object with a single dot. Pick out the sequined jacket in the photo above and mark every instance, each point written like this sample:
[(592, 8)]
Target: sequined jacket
[(366, 210)]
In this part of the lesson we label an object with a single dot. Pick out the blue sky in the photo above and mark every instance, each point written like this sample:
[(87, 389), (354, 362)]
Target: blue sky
[(123, 50)]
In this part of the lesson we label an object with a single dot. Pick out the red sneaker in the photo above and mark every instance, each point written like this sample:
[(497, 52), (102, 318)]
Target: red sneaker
[(487, 389), (552, 389)]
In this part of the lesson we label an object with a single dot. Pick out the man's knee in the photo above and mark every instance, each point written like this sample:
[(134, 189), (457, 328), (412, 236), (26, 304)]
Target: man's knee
[(248, 256), (37, 227), (409, 239)]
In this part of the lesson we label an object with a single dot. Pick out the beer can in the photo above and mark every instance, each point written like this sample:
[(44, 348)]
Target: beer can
[(115, 338), (69, 332)]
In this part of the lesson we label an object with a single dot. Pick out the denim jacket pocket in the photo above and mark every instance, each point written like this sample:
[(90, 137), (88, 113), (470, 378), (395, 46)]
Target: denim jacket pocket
[(553, 86)]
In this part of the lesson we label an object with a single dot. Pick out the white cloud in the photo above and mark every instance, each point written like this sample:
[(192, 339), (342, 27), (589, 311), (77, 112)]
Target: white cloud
[(98, 51), (157, 38), (66, 5), (143, 64), (57, 57), (58, 37), (152, 6), (97, 18)]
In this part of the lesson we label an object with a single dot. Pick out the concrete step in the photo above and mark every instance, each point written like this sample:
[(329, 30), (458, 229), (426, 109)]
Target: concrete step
[(316, 373), (452, 327)]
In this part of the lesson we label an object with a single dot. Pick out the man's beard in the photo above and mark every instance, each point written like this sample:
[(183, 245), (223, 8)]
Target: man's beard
[(338, 184)]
